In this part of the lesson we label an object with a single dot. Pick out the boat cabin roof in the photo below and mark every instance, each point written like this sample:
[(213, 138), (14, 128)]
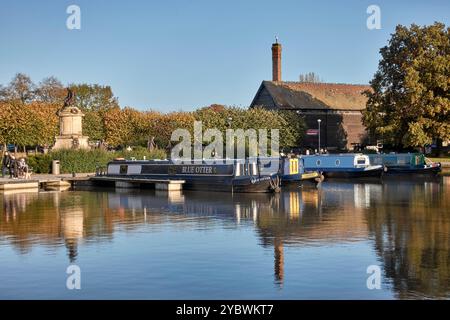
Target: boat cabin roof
[(350, 155)]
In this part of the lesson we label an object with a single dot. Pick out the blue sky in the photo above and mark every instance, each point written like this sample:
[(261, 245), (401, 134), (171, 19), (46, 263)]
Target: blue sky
[(180, 54)]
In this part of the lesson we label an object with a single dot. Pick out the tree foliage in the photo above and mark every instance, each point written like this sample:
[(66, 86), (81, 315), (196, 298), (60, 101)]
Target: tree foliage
[(50, 90), (409, 104), (93, 125), (43, 125), (291, 126), (94, 97), (124, 127), (21, 89), (28, 116), (14, 123), (31, 124)]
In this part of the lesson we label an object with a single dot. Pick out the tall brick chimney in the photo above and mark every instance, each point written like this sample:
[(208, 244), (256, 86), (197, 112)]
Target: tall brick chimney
[(276, 61)]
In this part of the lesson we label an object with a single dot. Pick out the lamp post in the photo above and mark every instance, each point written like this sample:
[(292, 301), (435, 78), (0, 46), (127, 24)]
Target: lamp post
[(319, 121)]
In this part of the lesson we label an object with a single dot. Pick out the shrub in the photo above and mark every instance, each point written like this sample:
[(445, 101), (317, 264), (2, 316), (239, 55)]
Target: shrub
[(140, 152), (40, 163), (84, 161), (80, 160)]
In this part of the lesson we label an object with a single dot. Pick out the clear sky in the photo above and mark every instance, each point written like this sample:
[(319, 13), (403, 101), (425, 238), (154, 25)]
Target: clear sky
[(183, 54)]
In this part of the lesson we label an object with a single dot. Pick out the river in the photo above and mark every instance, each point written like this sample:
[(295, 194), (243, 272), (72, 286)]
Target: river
[(303, 243)]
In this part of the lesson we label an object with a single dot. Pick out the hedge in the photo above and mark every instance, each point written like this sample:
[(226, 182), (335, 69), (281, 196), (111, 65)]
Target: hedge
[(84, 161)]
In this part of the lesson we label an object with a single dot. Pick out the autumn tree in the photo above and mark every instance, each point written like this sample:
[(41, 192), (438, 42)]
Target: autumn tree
[(28, 125), (95, 101), (165, 124), (43, 125), (127, 126), (14, 127), (409, 104)]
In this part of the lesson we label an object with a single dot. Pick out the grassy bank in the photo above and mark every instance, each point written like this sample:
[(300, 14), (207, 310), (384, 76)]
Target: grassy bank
[(440, 159), (83, 161)]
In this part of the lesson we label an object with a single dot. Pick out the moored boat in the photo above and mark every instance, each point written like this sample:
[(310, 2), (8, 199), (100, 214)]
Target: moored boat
[(290, 170), (406, 164), (230, 175), (350, 165)]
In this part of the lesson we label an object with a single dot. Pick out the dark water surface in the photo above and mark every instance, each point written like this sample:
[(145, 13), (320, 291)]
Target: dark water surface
[(300, 244)]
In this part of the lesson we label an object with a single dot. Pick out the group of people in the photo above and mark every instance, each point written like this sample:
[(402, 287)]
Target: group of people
[(17, 168)]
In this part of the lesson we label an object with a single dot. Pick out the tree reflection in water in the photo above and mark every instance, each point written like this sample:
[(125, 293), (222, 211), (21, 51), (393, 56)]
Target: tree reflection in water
[(412, 236), (408, 223)]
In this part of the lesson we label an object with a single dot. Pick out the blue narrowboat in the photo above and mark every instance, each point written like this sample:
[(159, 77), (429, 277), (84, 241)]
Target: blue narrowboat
[(229, 175), (406, 164), (351, 165), (290, 169)]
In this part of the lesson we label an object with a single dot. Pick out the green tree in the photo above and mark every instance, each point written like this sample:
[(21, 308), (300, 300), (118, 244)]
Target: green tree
[(409, 104), (291, 125), (293, 128), (93, 125), (94, 97)]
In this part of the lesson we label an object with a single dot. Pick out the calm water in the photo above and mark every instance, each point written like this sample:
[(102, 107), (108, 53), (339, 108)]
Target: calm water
[(295, 245)]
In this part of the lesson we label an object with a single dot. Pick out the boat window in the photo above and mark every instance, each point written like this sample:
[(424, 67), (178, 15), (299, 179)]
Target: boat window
[(338, 162), (238, 169), (402, 160), (318, 162), (361, 161), (252, 168)]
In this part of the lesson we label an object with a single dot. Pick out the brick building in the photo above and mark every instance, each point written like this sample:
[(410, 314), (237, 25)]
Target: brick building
[(338, 106)]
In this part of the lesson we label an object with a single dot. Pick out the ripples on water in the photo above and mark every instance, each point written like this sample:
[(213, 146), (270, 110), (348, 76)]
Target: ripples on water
[(302, 243)]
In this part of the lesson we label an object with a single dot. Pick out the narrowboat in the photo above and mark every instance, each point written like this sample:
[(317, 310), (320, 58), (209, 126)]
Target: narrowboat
[(290, 169), (230, 175), (351, 165), (406, 164)]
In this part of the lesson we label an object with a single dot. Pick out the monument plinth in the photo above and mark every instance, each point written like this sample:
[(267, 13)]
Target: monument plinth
[(70, 127)]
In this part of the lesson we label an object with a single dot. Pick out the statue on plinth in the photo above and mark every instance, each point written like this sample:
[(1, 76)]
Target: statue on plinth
[(70, 126)]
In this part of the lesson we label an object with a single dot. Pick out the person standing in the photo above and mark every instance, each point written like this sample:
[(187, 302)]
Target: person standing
[(6, 162), (13, 168)]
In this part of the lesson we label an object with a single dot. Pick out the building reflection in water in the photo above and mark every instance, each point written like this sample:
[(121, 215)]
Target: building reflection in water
[(408, 223), (279, 261), (300, 218), (72, 228)]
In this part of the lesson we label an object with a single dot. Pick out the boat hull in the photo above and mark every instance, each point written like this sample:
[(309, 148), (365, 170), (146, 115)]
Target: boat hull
[(413, 172), (224, 177), (409, 165), (246, 185), (217, 184), (375, 173), (299, 179)]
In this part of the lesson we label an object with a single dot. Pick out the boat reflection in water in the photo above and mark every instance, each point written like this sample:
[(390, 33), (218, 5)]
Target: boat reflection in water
[(405, 225)]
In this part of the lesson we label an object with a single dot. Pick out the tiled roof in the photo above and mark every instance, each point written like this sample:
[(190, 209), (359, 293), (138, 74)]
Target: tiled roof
[(303, 95)]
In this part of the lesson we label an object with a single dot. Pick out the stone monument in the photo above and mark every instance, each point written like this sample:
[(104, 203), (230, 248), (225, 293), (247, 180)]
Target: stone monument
[(70, 126)]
